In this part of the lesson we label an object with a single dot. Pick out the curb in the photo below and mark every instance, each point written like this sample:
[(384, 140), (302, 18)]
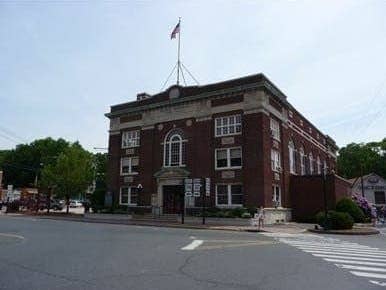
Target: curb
[(361, 232)]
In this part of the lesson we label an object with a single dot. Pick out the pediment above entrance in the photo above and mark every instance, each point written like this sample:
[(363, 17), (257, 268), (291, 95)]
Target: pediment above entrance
[(172, 172)]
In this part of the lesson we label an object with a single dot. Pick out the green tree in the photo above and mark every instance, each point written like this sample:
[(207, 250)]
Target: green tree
[(71, 174), (98, 196), (363, 158)]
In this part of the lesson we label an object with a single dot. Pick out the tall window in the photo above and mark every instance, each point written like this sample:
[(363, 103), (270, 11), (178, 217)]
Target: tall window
[(129, 165), (228, 158), (302, 161), (276, 195), (174, 149), (128, 195), (275, 160), (130, 139), (275, 129), (229, 125), (292, 157), (319, 165), (311, 158), (229, 195), (325, 168)]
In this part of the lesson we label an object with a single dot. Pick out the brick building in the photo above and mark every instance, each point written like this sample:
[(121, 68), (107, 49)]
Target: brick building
[(243, 134)]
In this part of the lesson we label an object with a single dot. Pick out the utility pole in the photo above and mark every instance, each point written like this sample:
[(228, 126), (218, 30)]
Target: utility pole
[(324, 197)]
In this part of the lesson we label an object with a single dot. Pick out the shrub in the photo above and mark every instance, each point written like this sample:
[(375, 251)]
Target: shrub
[(335, 220), (238, 211), (246, 215), (349, 206)]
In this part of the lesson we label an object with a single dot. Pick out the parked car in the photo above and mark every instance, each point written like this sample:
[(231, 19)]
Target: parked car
[(56, 205), (75, 203)]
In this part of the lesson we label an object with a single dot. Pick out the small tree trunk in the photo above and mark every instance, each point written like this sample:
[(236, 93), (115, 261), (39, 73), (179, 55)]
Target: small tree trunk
[(49, 200)]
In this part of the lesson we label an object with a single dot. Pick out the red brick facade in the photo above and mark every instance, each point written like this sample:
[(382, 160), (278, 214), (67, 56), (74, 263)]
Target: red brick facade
[(192, 112)]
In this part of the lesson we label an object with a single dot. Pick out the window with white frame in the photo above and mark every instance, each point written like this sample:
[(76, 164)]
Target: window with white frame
[(130, 139), (276, 195), (275, 160), (311, 158), (174, 150), (128, 195), (228, 125), (319, 165), (292, 157), (302, 161), (129, 165), (229, 195), (325, 168), (275, 129), (227, 158)]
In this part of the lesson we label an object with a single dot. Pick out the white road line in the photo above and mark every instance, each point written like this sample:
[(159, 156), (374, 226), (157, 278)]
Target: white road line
[(360, 268), (341, 253), (349, 258), (378, 283), (192, 245), (368, 275), (340, 261), (358, 247), (343, 250)]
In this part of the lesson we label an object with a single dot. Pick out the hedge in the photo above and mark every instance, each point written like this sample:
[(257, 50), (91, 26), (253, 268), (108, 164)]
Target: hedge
[(335, 220), (349, 206)]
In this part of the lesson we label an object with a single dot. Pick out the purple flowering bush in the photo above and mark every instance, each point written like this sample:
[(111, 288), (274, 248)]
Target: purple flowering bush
[(364, 204)]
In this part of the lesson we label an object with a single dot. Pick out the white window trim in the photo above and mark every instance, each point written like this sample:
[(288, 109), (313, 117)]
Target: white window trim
[(276, 164), (128, 196), (235, 124), (275, 129), (133, 146), (302, 162), (130, 165), (319, 165), (292, 158), (274, 194), (229, 189), (170, 150), (228, 158)]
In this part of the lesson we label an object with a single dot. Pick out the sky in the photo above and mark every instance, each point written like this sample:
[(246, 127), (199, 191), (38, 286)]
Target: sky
[(64, 63)]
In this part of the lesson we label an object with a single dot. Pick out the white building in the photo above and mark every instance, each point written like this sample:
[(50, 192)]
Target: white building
[(374, 188)]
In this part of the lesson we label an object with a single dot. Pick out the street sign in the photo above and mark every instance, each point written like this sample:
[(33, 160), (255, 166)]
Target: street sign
[(196, 187), (207, 186), (188, 187)]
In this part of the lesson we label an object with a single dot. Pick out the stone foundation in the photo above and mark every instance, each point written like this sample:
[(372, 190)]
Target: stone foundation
[(277, 215)]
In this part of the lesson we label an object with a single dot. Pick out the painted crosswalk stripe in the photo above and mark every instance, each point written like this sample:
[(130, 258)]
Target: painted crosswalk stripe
[(341, 253), (192, 245), (349, 258), (360, 268), (358, 247), (369, 275), (355, 262), (373, 251)]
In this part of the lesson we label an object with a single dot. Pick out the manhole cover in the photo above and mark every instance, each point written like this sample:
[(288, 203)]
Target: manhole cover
[(10, 239)]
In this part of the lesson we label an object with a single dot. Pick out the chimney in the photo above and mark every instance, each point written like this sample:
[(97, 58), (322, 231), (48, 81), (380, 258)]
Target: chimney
[(142, 96)]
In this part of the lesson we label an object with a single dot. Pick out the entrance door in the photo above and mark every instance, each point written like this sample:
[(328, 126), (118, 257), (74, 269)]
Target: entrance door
[(173, 199)]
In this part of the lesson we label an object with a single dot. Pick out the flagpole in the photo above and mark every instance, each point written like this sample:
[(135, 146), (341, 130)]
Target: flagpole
[(178, 61)]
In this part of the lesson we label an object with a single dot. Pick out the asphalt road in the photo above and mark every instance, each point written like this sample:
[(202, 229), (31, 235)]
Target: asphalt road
[(48, 254)]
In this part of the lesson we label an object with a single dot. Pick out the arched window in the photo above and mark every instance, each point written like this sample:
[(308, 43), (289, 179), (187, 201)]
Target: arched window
[(302, 161), (174, 149), (292, 157), (319, 165), (311, 158)]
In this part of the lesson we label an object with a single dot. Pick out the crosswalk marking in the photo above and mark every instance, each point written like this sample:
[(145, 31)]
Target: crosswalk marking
[(359, 260)]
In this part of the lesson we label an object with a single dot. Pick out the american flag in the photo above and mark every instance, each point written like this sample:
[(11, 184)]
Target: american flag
[(175, 31)]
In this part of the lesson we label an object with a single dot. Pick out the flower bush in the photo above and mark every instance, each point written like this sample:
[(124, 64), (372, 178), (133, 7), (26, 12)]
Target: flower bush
[(364, 204)]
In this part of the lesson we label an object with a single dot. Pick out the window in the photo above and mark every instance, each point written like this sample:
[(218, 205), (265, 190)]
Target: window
[(275, 129), (311, 158), (319, 165), (130, 139), (128, 196), (174, 150), (129, 165), (229, 195), (302, 161), (379, 197), (229, 125), (228, 158), (276, 195), (275, 160), (325, 168), (292, 157)]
